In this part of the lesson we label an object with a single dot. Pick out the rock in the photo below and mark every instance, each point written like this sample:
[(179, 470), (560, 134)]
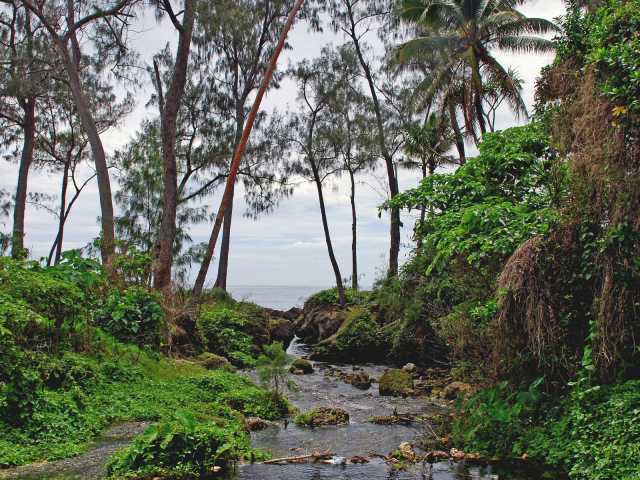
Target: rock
[(359, 380), (211, 361), (323, 416), (357, 340), (253, 424), (300, 364), (409, 368), (456, 389), (435, 392), (422, 386), (359, 459), (281, 330), (317, 321), (408, 392), (292, 314), (296, 371), (393, 381), (405, 452), (374, 379)]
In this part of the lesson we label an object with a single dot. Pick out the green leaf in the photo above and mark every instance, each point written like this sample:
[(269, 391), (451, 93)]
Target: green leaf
[(531, 398), (500, 411), (165, 430), (150, 433), (187, 419)]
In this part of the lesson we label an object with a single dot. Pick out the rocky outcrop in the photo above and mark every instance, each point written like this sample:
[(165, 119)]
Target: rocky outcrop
[(396, 383), (358, 339), (292, 314), (252, 424), (318, 321), (281, 330), (211, 361)]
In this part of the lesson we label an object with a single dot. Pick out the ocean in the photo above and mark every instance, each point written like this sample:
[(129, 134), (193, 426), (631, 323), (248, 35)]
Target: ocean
[(277, 297)]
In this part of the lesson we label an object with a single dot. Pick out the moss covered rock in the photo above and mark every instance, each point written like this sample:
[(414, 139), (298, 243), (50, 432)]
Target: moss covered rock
[(281, 330), (301, 365), (211, 361), (395, 383), (359, 339), (323, 416)]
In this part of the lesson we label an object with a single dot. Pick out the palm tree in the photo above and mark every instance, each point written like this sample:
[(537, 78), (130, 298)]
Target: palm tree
[(463, 32)]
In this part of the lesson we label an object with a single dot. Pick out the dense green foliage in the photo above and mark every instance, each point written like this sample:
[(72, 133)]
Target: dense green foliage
[(235, 330), (134, 313), (354, 297)]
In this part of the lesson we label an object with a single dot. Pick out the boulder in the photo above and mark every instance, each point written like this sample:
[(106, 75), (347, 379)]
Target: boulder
[(393, 381), (253, 424), (211, 361), (300, 364), (318, 321), (358, 339), (456, 389), (292, 314), (409, 368), (281, 330), (423, 386), (323, 416), (359, 380)]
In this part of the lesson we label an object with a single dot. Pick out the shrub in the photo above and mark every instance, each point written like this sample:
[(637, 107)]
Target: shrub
[(131, 314), (354, 297)]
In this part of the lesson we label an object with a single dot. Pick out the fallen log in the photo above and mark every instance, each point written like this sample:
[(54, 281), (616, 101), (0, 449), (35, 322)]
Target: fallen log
[(315, 456)]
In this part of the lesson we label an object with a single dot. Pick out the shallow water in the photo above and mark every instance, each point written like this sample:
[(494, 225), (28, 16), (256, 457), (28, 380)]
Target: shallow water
[(87, 466), (358, 437)]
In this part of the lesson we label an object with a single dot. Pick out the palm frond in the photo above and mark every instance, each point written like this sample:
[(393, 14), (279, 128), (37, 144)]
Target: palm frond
[(524, 44), (537, 26), (432, 83), (420, 47)]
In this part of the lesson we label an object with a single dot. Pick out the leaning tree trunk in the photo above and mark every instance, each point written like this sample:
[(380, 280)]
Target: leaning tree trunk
[(458, 133), (29, 129), (354, 256), (171, 106), (223, 264), (327, 236), (394, 250), (190, 307)]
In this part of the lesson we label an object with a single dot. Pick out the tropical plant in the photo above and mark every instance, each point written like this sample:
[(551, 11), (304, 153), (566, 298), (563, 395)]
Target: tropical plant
[(463, 32), (272, 368)]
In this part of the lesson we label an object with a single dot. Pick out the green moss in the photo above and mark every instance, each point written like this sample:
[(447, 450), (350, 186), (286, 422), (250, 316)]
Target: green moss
[(393, 382), (322, 416), (358, 340), (301, 364)]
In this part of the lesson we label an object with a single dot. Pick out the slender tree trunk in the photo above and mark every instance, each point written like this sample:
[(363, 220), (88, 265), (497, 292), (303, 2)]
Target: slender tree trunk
[(327, 236), (57, 245), (480, 114), (223, 264), (354, 255), (29, 130), (192, 303), (167, 235), (394, 250), (456, 130)]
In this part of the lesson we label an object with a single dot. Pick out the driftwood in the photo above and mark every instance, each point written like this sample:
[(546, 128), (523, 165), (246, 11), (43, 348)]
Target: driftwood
[(315, 456)]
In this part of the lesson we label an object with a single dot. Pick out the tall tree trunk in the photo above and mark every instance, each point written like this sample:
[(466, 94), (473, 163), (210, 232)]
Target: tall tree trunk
[(327, 236), (394, 250), (57, 245), (190, 307), (167, 235), (354, 254), (456, 130), (29, 130), (223, 264)]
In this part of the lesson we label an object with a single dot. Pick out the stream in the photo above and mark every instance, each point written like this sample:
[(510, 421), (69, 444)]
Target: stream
[(358, 437), (355, 438)]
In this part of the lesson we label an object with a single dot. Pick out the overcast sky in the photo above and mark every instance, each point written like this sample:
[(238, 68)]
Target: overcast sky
[(286, 247)]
